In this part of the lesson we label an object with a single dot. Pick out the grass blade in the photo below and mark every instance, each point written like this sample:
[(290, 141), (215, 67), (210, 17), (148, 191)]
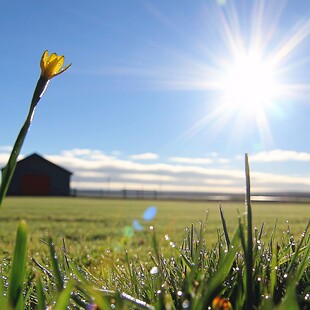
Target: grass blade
[(40, 294), (15, 292), (274, 267), (224, 228), (290, 300), (223, 269), (55, 265), (249, 254), (1, 291), (64, 298), (297, 251)]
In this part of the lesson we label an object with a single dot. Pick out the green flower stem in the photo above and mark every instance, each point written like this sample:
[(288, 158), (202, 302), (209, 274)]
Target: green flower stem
[(10, 167)]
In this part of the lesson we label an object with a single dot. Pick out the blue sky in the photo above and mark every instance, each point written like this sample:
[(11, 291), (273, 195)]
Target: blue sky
[(155, 99)]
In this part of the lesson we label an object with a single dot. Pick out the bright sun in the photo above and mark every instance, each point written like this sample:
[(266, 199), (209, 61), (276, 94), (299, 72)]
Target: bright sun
[(249, 84), (248, 72)]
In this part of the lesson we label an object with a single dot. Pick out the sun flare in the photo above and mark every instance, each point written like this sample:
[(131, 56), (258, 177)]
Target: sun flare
[(249, 84), (243, 63), (248, 74)]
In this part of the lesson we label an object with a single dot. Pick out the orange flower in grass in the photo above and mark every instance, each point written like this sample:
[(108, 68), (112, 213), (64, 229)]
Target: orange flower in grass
[(221, 303), (51, 65)]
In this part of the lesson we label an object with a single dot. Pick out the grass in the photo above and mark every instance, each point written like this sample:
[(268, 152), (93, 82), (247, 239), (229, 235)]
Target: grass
[(186, 261), (185, 270), (91, 226)]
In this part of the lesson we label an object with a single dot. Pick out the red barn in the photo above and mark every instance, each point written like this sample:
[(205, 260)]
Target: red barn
[(36, 176)]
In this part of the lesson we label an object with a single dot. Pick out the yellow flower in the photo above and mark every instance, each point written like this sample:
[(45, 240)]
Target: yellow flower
[(51, 65)]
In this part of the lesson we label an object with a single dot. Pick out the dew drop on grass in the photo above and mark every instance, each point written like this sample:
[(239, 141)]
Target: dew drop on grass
[(186, 304), (172, 244), (154, 270), (179, 293)]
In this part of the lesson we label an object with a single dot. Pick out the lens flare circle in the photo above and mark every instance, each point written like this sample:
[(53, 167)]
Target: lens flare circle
[(137, 226), (150, 213)]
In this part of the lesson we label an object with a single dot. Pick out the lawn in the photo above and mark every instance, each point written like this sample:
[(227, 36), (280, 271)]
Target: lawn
[(110, 264), (93, 226)]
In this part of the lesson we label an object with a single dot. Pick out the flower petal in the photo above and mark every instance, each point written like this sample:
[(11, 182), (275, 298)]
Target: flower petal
[(51, 65), (43, 60)]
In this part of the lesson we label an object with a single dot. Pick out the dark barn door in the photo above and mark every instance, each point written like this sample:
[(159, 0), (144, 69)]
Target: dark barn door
[(35, 185)]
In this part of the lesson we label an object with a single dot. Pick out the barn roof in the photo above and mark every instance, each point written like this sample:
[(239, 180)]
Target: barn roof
[(36, 156)]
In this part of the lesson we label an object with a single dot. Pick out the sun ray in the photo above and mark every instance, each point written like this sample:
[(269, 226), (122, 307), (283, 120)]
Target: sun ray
[(252, 76), (245, 64)]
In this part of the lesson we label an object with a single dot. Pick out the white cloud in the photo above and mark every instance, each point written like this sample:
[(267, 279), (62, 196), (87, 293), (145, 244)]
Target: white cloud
[(154, 187), (193, 161), (91, 174), (93, 169), (278, 179), (219, 182), (279, 156), (4, 159), (6, 148), (86, 153), (148, 177), (144, 156), (223, 161), (239, 157), (5, 155), (116, 153)]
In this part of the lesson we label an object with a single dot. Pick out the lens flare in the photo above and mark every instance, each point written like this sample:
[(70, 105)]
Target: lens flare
[(137, 226), (150, 213)]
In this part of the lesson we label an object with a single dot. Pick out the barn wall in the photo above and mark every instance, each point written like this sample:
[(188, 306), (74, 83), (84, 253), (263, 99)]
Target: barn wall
[(59, 179)]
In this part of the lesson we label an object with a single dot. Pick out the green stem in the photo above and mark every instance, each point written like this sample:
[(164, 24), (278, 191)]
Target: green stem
[(249, 255), (8, 171)]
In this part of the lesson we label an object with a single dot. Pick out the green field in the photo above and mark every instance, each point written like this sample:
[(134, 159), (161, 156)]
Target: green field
[(93, 226)]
